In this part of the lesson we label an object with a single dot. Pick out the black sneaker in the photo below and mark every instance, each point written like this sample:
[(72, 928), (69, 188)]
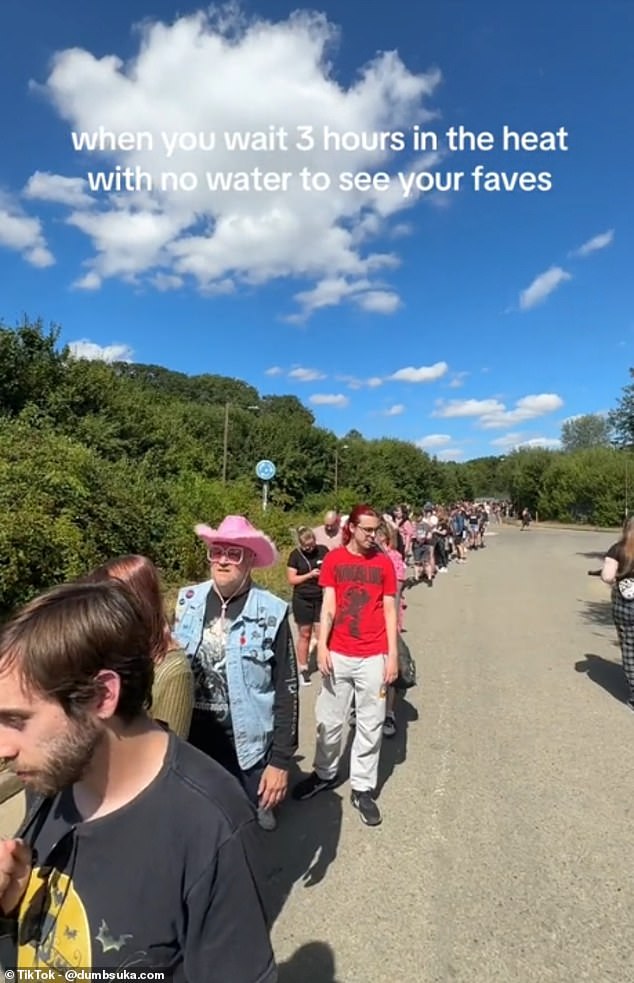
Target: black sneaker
[(312, 785), (389, 727), (368, 809)]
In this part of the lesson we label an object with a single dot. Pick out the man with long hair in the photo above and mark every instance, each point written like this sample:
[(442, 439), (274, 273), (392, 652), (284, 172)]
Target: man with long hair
[(137, 850), (357, 658)]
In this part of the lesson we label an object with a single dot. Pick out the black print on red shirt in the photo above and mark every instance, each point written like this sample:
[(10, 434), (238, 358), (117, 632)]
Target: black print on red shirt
[(350, 611), (358, 573)]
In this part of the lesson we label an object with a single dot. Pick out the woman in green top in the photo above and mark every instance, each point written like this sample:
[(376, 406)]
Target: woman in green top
[(173, 687)]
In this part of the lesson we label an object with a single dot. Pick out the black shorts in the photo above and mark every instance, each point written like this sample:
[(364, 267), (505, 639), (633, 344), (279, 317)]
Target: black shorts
[(306, 610)]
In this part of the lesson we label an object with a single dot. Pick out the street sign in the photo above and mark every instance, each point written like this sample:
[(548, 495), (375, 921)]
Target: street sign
[(265, 470)]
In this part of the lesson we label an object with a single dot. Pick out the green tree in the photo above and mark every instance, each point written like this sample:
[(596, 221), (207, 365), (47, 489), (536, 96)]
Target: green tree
[(581, 432), (30, 365), (522, 473)]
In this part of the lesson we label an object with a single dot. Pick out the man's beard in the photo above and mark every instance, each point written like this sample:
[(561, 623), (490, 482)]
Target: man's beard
[(68, 758)]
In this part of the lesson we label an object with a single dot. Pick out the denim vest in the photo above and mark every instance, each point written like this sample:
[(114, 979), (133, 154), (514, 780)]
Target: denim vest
[(249, 653)]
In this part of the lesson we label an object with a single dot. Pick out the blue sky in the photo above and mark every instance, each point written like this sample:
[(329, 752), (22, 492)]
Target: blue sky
[(468, 321)]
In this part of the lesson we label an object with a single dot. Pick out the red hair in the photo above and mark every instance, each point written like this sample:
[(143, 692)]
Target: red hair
[(354, 518), (142, 579)]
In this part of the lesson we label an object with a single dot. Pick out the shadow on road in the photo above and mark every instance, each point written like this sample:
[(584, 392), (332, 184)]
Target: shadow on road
[(609, 675), (303, 846), (313, 963), (394, 749), (597, 613), (593, 554)]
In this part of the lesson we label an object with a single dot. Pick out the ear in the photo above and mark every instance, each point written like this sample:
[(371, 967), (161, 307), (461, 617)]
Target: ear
[(108, 692)]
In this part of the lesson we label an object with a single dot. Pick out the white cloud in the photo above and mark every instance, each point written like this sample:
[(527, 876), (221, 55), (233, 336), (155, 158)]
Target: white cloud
[(71, 191), (329, 399), (457, 380), (508, 441), (355, 383), (600, 241), (274, 370), (23, 234), (433, 440), (549, 443), (262, 75), (526, 408), (90, 281), (98, 353), (450, 454), (378, 301), (468, 407), (305, 375), (542, 286), (402, 229), (426, 373), (166, 281), (515, 441), (395, 410)]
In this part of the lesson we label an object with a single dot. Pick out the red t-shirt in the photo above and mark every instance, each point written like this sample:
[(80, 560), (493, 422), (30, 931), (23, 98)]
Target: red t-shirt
[(360, 583)]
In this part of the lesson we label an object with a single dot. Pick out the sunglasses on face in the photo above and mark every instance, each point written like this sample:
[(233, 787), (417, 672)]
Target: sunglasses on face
[(232, 554)]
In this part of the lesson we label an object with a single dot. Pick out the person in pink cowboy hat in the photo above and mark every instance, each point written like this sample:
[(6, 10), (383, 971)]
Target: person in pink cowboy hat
[(238, 638)]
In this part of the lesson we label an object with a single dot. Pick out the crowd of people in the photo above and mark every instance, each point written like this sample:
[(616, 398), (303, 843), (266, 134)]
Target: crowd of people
[(173, 738)]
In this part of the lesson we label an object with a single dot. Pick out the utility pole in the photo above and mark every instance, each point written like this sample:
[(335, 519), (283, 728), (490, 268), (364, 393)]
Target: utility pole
[(344, 447), (225, 445)]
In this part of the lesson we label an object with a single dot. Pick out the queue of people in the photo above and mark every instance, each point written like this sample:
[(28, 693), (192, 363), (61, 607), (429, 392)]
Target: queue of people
[(176, 740)]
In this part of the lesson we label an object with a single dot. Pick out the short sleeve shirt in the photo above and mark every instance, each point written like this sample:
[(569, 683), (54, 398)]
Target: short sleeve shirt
[(360, 584)]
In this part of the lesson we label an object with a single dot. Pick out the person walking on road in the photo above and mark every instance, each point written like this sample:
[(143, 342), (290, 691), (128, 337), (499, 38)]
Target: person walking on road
[(618, 572), (358, 658), (303, 568)]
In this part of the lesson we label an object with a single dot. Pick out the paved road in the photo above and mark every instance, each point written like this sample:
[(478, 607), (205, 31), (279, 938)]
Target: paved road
[(503, 855), (507, 796)]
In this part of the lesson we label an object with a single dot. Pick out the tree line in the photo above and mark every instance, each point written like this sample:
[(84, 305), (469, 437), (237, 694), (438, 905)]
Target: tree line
[(101, 459)]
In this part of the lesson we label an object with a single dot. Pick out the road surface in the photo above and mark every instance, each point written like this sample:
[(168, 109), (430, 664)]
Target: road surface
[(507, 796), (504, 852)]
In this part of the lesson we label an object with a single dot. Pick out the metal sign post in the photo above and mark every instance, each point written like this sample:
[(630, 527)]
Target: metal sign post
[(265, 471)]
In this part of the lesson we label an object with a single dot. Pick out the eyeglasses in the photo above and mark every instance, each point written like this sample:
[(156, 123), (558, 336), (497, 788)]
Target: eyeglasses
[(232, 554), (368, 530)]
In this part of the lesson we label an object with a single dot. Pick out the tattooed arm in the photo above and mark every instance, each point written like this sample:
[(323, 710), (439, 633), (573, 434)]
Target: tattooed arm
[(328, 608)]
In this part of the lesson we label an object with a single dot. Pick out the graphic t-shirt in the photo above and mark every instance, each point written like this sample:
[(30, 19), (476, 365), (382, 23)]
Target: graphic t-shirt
[(168, 881), (360, 583), (425, 529), (209, 663), (303, 562)]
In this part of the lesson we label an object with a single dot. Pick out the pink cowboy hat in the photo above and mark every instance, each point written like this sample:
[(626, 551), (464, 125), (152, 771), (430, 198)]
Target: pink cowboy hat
[(238, 531)]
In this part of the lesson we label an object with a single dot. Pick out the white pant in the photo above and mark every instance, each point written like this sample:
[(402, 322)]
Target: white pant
[(362, 678)]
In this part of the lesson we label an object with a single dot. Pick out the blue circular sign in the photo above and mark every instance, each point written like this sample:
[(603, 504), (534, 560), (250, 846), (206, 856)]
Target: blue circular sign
[(265, 470)]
